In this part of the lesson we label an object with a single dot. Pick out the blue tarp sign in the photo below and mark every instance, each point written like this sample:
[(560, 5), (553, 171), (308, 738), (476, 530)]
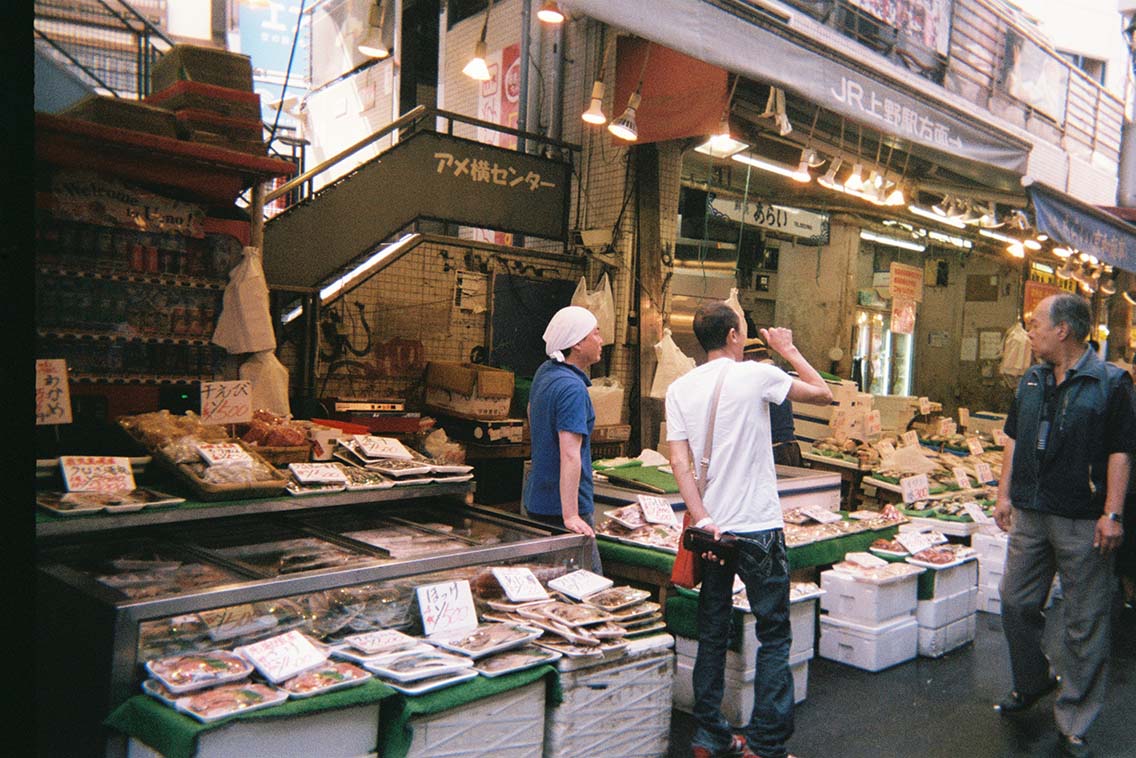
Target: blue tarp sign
[(1084, 227)]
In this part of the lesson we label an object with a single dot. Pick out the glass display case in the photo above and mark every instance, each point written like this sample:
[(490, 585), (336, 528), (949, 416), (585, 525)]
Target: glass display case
[(108, 604)]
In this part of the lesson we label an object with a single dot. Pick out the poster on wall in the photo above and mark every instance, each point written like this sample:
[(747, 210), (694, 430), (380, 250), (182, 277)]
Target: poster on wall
[(498, 102), (1034, 75), (902, 316), (1035, 293), (905, 282), (928, 21)]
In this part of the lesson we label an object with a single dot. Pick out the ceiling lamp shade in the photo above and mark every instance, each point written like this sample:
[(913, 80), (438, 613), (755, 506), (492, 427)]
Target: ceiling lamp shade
[(989, 219), (1063, 271), (1016, 249), (1108, 287), (1130, 297), (477, 68), (372, 45), (1032, 244), (810, 156), (625, 127), (774, 168), (828, 181), (896, 196), (550, 13), (594, 114), (1063, 252), (855, 180)]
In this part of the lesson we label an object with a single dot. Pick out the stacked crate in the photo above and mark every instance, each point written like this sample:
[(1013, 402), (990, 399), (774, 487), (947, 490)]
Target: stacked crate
[(991, 550), (946, 617), (869, 624), (737, 700)]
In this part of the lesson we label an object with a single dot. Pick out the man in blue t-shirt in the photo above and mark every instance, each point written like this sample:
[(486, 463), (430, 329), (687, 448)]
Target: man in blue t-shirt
[(558, 490)]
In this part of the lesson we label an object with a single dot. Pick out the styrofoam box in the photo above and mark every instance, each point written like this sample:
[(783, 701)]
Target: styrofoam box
[(508, 724), (940, 611), (849, 599), (990, 547), (988, 600), (342, 733), (872, 648), (934, 643), (737, 697), (991, 578), (954, 579), (802, 624), (621, 709)]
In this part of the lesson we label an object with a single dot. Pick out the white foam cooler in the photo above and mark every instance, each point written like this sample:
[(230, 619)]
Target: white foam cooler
[(989, 600), (507, 725), (737, 697), (866, 602), (869, 647), (936, 642), (802, 623), (952, 580), (940, 611), (620, 709)]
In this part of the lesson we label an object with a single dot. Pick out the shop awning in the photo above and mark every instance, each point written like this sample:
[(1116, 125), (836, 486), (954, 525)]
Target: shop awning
[(716, 32), (1083, 226)]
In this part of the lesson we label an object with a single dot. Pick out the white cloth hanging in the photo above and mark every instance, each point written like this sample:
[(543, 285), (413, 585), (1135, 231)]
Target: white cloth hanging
[(245, 324)]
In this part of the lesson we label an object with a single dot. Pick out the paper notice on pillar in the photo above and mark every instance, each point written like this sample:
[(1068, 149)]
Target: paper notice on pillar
[(52, 392), (902, 316)]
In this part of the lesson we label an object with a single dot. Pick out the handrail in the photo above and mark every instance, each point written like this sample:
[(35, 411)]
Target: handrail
[(410, 117), (59, 49), (146, 23)]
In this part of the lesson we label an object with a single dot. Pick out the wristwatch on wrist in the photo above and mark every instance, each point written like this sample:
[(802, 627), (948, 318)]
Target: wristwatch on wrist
[(1117, 517)]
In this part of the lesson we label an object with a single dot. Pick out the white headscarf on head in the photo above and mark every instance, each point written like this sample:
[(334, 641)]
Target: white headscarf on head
[(567, 328)]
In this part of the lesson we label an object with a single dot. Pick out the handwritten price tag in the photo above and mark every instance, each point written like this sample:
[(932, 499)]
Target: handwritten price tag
[(974, 445), (226, 402), (841, 422), (1000, 437), (913, 542), (520, 584), (446, 607), (52, 392), (947, 427), (317, 472), (910, 438), (657, 511), (915, 488), (97, 473), (282, 657), (873, 424), (924, 405), (223, 453), (382, 447), (983, 472), (580, 583), (964, 417), (886, 448), (974, 510), (820, 514), (961, 477)]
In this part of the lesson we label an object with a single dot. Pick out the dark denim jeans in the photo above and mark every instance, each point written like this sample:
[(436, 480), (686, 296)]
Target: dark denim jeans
[(763, 565)]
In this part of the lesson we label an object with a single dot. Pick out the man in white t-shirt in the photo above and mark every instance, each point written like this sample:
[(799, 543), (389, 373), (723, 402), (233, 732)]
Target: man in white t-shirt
[(740, 498)]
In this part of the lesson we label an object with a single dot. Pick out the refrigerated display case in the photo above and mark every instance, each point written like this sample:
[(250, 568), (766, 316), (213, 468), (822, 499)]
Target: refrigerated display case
[(881, 359), (109, 602)]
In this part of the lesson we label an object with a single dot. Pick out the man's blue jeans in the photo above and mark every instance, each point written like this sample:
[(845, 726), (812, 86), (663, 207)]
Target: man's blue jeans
[(763, 565)]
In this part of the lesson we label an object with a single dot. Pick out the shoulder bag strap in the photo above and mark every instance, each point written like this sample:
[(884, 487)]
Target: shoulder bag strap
[(708, 447)]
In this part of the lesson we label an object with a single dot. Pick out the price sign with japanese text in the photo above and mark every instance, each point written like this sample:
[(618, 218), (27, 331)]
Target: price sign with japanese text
[(873, 424), (964, 417), (947, 426), (910, 438), (519, 583), (1000, 437), (974, 510), (580, 583), (915, 488), (913, 542), (52, 392), (974, 445), (886, 448), (382, 447), (962, 478), (223, 453), (308, 473), (97, 473), (446, 607), (924, 405), (820, 514), (983, 472), (840, 422), (657, 510), (226, 402), (283, 657)]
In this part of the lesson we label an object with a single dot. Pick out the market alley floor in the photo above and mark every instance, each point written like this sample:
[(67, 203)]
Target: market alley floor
[(932, 708)]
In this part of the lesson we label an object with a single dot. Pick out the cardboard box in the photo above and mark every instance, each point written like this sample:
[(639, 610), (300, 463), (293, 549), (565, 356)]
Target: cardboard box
[(872, 648), (209, 65), (469, 390), (125, 114)]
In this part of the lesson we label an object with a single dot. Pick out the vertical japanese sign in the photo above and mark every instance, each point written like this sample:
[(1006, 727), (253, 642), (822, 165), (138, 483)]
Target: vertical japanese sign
[(498, 101), (52, 392), (226, 402), (446, 607), (906, 282), (902, 316)]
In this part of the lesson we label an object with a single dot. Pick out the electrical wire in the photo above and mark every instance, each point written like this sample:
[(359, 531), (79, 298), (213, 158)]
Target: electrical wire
[(288, 72)]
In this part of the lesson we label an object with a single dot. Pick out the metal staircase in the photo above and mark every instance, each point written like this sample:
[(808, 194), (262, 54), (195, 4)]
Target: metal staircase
[(110, 45)]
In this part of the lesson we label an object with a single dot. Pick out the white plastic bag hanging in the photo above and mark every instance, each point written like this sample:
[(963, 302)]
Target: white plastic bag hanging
[(245, 324), (601, 303), (1015, 352), (269, 380), (672, 363)]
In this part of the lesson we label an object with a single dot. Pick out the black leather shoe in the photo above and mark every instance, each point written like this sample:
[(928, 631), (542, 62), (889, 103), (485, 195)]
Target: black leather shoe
[(1016, 702), (1074, 746)]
